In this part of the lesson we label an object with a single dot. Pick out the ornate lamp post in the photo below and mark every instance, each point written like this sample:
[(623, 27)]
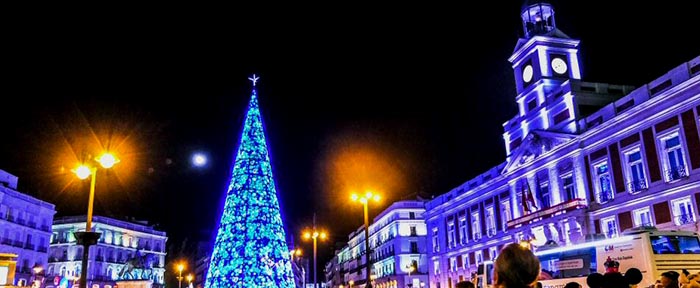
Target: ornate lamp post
[(364, 199), (89, 238)]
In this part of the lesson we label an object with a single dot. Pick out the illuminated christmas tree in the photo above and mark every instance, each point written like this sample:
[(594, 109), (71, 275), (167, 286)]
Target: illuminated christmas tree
[(250, 248)]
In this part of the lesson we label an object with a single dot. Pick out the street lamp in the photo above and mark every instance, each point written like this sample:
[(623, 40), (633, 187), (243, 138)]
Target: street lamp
[(364, 199), (189, 279), (294, 252), (89, 238), (180, 267), (315, 235)]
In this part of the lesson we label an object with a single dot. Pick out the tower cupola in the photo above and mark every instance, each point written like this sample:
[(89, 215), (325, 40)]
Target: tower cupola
[(538, 18)]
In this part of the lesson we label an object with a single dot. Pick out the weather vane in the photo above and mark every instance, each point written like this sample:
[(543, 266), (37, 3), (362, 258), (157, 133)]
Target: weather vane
[(254, 79)]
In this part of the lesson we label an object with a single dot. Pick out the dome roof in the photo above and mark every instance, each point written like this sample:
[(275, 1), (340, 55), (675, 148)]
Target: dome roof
[(529, 3)]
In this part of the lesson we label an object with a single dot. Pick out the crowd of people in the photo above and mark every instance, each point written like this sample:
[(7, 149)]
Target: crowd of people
[(517, 267)]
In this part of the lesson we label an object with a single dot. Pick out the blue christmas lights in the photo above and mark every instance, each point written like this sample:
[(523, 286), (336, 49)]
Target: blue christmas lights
[(250, 248)]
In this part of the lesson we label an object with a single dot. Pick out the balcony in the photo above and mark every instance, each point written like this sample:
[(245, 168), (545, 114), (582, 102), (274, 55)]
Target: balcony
[(605, 196), (29, 246), (644, 224), (46, 228), (636, 186), (684, 219), (42, 249), (491, 231), (18, 244), (6, 241), (476, 236), (676, 173), (571, 205), (99, 258)]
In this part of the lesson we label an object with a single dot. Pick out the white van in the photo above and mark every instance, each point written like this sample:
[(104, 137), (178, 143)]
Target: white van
[(649, 250)]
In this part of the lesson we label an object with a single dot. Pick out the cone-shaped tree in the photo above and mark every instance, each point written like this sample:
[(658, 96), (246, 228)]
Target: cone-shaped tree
[(250, 248)]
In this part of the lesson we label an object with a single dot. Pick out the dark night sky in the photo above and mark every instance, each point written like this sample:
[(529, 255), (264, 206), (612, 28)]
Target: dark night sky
[(420, 92)]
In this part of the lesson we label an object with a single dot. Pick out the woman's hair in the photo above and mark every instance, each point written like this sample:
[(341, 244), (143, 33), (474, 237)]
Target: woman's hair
[(516, 267)]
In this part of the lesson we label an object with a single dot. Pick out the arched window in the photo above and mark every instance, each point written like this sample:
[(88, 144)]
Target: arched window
[(63, 271), (50, 271), (109, 274)]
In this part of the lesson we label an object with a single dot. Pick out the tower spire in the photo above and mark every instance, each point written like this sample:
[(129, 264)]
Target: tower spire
[(250, 248)]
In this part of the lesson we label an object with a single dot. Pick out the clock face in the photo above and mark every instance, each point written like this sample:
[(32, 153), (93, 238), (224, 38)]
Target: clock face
[(559, 65), (527, 73)]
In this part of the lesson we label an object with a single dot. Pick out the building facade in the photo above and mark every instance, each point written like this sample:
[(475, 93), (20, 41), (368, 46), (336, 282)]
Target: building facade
[(119, 241), (398, 249), (25, 228), (584, 160)]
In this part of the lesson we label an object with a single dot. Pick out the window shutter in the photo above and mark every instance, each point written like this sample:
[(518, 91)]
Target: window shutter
[(625, 219), (650, 153), (691, 137), (486, 255), (662, 212), (596, 223), (617, 168)]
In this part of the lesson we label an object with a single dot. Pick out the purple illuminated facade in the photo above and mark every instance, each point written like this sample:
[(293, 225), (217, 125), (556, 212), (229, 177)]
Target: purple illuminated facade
[(584, 160)]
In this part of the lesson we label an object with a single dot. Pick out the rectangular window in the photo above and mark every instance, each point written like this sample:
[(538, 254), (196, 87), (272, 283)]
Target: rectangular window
[(476, 226), (567, 181), (450, 233), (609, 226), (642, 217), (603, 182), (414, 247), (505, 214), (412, 215), (636, 180), (561, 116), (453, 264), (436, 244), (683, 211), (674, 157), (490, 222), (413, 231), (464, 236), (436, 267), (532, 104), (493, 252), (479, 257), (465, 261), (545, 198)]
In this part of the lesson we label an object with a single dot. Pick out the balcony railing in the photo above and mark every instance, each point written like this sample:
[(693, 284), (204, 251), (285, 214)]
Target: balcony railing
[(612, 232), (676, 173), (491, 231), (29, 246), (45, 228), (6, 241), (551, 211), (18, 244), (644, 224), (685, 219), (605, 196), (42, 249), (638, 185), (476, 236)]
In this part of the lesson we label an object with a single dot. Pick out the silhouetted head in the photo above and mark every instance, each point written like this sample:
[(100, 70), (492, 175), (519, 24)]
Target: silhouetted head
[(516, 267)]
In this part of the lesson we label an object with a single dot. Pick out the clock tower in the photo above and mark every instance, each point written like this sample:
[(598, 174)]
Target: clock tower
[(543, 60)]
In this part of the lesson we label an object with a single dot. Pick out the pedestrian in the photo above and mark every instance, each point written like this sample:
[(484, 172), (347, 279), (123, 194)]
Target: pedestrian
[(516, 267)]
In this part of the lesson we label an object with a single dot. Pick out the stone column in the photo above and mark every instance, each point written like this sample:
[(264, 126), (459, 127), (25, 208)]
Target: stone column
[(534, 188), (580, 172), (515, 208), (554, 185)]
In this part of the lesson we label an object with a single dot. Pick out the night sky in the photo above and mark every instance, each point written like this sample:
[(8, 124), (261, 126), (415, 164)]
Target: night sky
[(404, 100)]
